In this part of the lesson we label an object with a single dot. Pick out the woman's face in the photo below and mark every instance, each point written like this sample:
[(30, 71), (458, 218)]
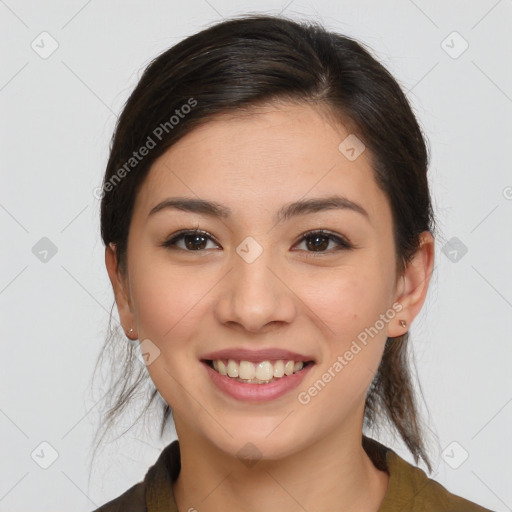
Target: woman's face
[(253, 284)]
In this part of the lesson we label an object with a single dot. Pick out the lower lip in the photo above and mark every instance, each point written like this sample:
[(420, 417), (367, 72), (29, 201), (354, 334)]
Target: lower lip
[(256, 392)]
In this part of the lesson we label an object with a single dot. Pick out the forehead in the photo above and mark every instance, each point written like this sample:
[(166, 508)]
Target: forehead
[(262, 159)]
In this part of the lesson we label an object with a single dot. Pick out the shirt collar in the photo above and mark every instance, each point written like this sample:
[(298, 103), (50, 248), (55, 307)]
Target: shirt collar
[(161, 476)]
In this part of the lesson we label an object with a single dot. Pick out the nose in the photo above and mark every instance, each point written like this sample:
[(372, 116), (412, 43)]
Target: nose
[(255, 295)]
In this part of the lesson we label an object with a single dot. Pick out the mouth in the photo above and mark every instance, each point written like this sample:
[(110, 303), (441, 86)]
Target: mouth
[(257, 372)]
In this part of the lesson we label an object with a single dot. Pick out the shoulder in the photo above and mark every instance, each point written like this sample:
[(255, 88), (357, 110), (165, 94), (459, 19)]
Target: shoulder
[(133, 500), (409, 488), (413, 490), (155, 490)]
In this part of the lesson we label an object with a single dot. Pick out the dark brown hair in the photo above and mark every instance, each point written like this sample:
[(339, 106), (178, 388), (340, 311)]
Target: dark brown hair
[(237, 65)]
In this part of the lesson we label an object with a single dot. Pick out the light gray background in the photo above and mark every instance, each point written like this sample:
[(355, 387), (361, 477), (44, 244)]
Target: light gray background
[(58, 114)]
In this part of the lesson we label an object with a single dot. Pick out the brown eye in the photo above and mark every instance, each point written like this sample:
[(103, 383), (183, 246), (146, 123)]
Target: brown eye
[(315, 241), (318, 241), (193, 241)]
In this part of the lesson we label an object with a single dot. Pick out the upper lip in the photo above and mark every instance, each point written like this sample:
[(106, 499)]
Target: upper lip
[(268, 354)]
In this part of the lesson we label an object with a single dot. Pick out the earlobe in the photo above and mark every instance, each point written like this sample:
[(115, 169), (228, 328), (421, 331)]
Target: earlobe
[(412, 292), (119, 285)]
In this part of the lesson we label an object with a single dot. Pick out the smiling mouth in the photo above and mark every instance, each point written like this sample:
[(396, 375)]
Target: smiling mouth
[(262, 372)]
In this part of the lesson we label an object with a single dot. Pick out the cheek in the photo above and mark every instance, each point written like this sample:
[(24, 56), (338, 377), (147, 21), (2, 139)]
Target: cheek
[(167, 300), (350, 303), (167, 305), (350, 306), (348, 300)]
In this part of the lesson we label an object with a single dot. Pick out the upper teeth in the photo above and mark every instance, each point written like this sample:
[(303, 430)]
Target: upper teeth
[(264, 370)]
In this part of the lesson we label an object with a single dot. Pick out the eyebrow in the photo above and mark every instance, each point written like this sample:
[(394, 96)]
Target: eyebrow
[(295, 209)]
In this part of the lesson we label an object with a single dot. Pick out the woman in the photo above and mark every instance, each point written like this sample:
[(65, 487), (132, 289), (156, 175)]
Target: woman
[(269, 239)]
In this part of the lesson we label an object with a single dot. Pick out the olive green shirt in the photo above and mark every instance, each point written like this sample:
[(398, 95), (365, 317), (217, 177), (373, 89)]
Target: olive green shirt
[(409, 488)]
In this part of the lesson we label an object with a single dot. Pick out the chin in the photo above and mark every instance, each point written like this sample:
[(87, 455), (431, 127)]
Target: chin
[(256, 445)]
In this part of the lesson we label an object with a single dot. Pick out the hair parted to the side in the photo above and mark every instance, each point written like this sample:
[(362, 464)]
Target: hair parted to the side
[(235, 66)]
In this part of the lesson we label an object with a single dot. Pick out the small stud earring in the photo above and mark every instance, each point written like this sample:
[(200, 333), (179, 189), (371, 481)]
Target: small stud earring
[(403, 323), (130, 332)]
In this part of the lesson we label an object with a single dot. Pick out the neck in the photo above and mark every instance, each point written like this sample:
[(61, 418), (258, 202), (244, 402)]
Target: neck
[(334, 474)]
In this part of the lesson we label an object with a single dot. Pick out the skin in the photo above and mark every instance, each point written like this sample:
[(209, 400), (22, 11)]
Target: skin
[(191, 303)]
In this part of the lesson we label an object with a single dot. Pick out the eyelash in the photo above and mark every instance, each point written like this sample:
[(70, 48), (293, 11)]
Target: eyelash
[(343, 244)]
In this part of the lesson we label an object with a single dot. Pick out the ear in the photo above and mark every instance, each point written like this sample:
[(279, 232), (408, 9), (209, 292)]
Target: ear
[(413, 286), (121, 290)]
